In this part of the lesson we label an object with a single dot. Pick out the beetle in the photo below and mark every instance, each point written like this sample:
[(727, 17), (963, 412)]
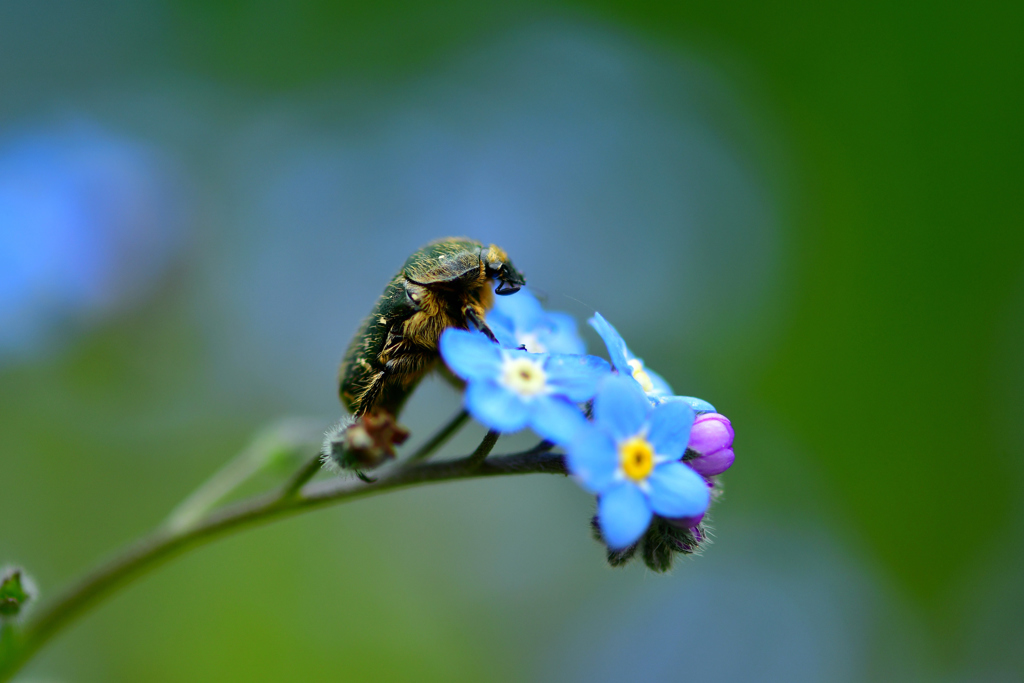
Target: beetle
[(447, 283)]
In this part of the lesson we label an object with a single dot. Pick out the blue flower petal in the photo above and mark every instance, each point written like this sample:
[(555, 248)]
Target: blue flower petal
[(470, 355), (623, 514), (620, 407), (617, 350), (503, 331), (521, 319), (677, 491), (661, 387), (699, 405), (592, 458), (496, 407), (669, 431), (562, 335), (556, 419), (522, 309), (576, 377)]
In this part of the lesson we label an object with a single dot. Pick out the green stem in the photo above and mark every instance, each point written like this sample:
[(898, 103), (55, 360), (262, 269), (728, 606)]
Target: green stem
[(214, 490), (299, 479), (166, 542), (485, 448), (271, 445), (440, 438)]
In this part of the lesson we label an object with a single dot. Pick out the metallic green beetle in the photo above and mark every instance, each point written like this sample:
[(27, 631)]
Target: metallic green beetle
[(447, 283)]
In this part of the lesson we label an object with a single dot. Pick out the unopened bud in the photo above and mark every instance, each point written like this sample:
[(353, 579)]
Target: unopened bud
[(710, 449), (686, 522), (16, 590), (366, 442)]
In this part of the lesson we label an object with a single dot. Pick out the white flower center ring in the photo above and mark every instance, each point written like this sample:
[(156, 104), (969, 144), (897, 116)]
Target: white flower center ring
[(524, 376), (641, 376)]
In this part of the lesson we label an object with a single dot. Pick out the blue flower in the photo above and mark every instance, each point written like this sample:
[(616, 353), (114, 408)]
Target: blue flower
[(627, 364), (521, 321), (629, 457), (88, 222), (509, 389)]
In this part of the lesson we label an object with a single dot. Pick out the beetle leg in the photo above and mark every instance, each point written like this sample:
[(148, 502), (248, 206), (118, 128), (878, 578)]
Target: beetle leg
[(473, 317), (399, 369), (392, 343), (366, 478), (410, 363), (371, 393)]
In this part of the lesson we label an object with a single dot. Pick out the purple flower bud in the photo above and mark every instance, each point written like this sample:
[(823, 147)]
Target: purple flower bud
[(686, 522), (711, 439)]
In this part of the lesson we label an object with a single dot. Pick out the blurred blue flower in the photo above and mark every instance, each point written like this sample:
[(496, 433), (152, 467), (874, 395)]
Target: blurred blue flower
[(520, 320), (87, 221), (628, 365), (629, 457), (509, 389)]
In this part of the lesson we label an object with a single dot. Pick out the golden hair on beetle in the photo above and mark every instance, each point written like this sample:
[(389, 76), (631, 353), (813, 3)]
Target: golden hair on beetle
[(448, 283)]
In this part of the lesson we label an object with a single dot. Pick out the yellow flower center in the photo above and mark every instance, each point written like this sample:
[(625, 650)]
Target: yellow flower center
[(636, 455), (524, 376), (640, 376)]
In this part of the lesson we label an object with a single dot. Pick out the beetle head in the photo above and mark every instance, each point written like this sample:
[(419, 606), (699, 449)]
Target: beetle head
[(501, 269)]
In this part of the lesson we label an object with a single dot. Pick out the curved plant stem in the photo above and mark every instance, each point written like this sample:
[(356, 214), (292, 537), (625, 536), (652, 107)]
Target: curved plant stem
[(441, 437), (279, 442), (300, 478), (168, 542), (214, 490), (484, 449)]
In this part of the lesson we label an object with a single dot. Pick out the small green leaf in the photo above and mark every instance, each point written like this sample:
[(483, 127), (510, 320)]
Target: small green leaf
[(15, 591)]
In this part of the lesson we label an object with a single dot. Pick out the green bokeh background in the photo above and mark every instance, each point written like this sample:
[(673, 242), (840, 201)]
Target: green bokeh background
[(882, 401)]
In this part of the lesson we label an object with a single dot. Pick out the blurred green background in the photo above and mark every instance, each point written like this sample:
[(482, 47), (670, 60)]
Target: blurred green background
[(808, 214)]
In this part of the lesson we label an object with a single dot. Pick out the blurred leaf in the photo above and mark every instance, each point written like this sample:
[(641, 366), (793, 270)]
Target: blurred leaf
[(287, 44), (14, 594), (907, 244)]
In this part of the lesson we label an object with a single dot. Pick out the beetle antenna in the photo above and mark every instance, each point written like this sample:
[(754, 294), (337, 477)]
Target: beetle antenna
[(581, 303)]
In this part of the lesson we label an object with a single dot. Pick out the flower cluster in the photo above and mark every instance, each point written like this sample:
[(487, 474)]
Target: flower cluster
[(648, 455), (509, 389)]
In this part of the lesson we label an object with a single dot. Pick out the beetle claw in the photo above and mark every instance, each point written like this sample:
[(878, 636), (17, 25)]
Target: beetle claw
[(505, 288)]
